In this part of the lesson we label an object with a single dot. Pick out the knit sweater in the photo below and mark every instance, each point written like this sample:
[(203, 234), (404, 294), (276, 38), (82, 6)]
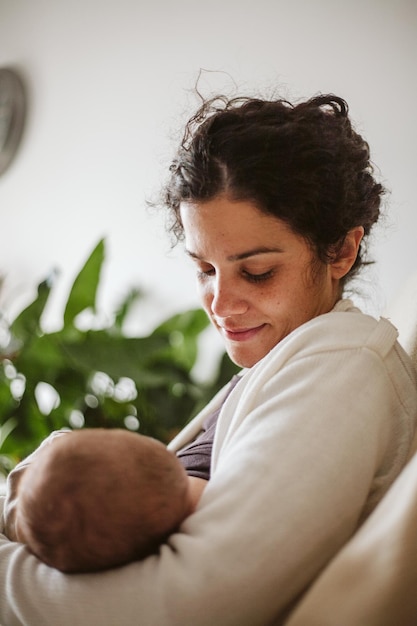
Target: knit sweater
[(305, 447)]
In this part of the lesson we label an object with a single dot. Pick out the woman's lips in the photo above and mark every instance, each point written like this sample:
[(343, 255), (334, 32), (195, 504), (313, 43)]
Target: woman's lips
[(243, 334)]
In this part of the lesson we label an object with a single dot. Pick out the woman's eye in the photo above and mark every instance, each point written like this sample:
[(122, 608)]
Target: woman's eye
[(258, 278), (204, 272)]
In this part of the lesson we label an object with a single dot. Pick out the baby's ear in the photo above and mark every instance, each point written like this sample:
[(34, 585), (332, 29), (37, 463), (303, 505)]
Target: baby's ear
[(347, 253)]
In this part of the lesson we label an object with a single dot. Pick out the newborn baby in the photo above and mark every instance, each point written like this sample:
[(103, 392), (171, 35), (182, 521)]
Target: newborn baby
[(95, 498)]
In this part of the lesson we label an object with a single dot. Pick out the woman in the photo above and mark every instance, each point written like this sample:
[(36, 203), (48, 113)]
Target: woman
[(274, 202)]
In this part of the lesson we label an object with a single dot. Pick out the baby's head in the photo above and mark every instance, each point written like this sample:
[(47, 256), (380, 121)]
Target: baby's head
[(99, 498)]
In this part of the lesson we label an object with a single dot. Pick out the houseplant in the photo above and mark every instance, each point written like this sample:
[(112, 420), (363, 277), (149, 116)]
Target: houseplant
[(75, 377)]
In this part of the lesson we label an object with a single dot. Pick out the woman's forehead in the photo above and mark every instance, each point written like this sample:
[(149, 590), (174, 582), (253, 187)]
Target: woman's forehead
[(238, 228)]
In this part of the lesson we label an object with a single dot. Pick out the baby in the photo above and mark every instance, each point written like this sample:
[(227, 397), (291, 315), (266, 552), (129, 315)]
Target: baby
[(96, 498)]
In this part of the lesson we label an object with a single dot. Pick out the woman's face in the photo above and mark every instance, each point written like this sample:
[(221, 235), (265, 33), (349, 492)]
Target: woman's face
[(256, 277)]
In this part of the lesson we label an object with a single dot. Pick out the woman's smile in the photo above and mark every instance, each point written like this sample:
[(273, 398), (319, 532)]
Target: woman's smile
[(240, 334)]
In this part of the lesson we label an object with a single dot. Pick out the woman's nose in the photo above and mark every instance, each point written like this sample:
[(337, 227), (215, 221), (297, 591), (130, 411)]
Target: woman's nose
[(227, 299)]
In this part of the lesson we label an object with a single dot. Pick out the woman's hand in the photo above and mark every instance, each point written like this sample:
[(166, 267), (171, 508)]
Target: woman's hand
[(13, 481)]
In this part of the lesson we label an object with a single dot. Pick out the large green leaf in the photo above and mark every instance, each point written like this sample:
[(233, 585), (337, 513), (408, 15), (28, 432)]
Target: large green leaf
[(27, 323), (124, 308), (6, 429), (115, 355), (84, 289), (42, 358), (182, 332), (190, 322)]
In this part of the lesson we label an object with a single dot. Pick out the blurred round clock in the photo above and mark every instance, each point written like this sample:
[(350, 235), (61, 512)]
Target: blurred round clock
[(12, 115)]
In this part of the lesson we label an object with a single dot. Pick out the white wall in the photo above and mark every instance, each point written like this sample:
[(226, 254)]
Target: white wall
[(110, 83)]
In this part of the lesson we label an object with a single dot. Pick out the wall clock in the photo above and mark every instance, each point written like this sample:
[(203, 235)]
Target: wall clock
[(12, 115)]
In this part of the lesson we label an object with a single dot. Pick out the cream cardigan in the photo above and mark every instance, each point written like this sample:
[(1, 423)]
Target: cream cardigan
[(306, 445)]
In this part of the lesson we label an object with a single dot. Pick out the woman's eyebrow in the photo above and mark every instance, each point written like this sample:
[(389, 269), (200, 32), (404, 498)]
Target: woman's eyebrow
[(254, 252), (241, 255)]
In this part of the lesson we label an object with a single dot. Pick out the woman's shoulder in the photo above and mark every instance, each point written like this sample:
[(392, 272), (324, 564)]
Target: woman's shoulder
[(345, 327), (344, 331)]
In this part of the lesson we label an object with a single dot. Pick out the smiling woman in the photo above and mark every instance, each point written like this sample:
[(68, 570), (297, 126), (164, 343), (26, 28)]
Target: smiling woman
[(275, 202)]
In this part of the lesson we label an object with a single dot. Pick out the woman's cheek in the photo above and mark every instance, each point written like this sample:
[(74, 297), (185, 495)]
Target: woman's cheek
[(206, 297)]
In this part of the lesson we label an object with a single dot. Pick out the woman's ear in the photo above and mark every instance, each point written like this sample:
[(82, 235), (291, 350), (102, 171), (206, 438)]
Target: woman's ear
[(346, 255)]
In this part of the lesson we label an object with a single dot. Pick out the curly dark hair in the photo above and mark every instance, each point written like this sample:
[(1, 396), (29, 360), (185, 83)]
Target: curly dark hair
[(302, 163)]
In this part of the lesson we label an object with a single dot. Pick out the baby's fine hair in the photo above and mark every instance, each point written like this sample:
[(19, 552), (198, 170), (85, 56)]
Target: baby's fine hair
[(98, 498)]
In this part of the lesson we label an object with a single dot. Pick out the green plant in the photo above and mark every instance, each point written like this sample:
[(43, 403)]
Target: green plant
[(75, 378)]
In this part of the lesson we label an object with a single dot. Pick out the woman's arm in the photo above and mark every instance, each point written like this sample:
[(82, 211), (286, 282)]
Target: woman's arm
[(12, 491)]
